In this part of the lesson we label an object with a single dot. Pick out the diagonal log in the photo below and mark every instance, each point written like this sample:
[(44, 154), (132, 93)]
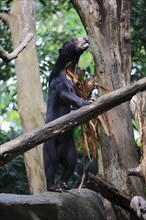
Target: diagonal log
[(23, 143), (110, 192)]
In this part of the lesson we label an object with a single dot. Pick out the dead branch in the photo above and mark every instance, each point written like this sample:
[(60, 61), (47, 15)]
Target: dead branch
[(8, 57), (104, 103), (136, 172), (109, 191)]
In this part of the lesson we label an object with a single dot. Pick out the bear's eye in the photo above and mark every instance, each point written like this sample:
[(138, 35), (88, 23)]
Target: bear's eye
[(75, 40)]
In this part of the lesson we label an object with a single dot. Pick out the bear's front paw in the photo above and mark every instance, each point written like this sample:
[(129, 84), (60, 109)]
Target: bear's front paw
[(88, 102), (92, 99), (85, 102)]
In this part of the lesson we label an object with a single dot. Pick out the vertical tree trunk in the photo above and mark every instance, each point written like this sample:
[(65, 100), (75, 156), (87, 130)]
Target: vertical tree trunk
[(21, 21), (108, 26)]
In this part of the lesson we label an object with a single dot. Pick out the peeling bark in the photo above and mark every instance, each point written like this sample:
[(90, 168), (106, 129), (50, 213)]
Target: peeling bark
[(138, 103)]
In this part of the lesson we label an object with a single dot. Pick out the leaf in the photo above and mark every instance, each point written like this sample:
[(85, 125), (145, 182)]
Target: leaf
[(85, 143), (84, 89)]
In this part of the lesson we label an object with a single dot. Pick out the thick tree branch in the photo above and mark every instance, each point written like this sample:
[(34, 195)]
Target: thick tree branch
[(8, 57), (136, 172), (109, 191), (106, 102)]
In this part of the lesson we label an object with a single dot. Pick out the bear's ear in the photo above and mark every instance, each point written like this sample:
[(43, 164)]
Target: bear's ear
[(60, 50)]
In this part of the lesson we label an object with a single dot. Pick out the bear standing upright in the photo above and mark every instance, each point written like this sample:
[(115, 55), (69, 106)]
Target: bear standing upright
[(62, 97)]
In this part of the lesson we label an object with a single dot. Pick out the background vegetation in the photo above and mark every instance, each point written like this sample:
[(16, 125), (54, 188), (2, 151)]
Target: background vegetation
[(56, 21)]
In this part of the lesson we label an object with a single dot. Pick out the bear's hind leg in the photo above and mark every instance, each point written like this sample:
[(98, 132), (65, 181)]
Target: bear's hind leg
[(69, 163), (51, 165), (50, 177)]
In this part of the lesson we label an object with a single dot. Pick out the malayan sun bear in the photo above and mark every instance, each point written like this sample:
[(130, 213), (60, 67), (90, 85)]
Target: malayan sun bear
[(62, 98)]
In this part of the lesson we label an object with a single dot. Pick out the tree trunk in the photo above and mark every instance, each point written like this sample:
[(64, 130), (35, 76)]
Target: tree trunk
[(21, 21), (108, 26)]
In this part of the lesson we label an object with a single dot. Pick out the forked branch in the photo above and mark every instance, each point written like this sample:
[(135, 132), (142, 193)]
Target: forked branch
[(4, 55)]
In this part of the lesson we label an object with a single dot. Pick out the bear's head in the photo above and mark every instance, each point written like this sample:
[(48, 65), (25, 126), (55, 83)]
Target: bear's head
[(73, 48)]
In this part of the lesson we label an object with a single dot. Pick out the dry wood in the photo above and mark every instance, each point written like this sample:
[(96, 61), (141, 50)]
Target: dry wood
[(109, 191), (29, 140), (4, 55)]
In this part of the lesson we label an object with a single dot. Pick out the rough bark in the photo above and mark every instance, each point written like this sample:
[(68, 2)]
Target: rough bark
[(27, 141), (108, 26), (138, 103), (21, 21)]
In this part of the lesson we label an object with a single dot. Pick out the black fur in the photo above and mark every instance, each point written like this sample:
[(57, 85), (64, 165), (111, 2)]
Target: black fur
[(61, 98)]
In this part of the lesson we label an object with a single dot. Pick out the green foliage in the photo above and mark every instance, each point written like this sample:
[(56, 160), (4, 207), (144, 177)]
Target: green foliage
[(138, 27), (13, 175), (56, 24)]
